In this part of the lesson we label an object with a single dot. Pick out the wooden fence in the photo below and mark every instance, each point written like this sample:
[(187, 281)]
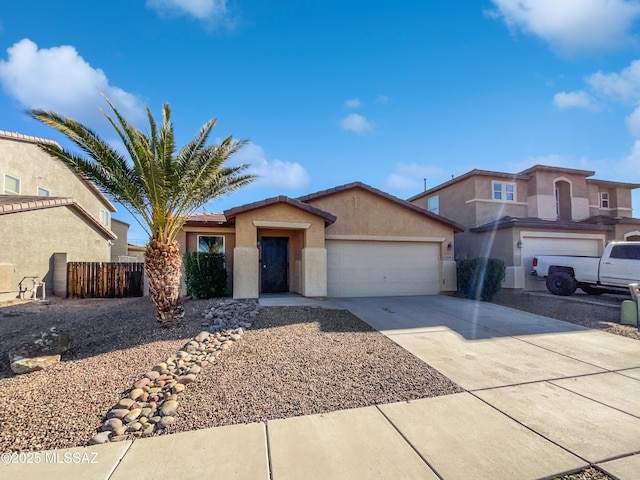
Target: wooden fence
[(104, 280)]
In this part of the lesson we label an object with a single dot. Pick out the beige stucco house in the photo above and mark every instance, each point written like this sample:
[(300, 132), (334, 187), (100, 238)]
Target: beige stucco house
[(351, 240), (541, 210), (48, 216)]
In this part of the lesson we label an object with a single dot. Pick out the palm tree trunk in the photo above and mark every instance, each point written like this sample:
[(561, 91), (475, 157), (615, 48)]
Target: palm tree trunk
[(162, 263)]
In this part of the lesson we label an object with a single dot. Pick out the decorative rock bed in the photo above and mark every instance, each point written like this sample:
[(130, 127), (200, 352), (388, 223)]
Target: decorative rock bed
[(151, 404)]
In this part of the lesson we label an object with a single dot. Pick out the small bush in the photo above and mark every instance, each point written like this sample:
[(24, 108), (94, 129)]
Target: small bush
[(480, 278), (205, 274)]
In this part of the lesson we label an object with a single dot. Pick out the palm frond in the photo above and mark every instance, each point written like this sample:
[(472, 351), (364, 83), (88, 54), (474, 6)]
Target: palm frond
[(161, 187)]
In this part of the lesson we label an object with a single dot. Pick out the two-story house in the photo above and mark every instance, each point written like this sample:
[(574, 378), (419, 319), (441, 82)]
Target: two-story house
[(48, 216), (541, 210)]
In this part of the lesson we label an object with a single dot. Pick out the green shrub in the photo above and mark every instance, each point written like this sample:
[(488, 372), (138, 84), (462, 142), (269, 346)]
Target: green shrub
[(480, 278), (205, 274)]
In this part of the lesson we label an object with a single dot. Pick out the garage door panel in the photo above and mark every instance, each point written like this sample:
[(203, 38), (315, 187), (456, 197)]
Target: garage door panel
[(376, 268), (587, 247)]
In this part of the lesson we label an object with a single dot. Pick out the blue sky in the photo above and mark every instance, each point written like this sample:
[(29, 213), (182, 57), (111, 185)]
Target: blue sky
[(334, 91)]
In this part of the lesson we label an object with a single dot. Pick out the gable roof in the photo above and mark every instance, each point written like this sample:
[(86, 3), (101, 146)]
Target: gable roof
[(19, 137), (380, 193), (524, 175), (10, 204), (233, 212), (550, 168), (470, 173)]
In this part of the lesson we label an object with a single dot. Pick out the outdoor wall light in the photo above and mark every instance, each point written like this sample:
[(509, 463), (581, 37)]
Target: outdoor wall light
[(449, 246), (520, 244)]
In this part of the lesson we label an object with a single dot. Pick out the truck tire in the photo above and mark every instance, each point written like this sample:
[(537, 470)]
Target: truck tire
[(589, 290), (561, 283)]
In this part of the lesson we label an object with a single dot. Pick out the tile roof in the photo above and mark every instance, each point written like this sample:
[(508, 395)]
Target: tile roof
[(550, 168), (375, 191), (233, 212), (523, 175), (37, 140), (471, 173), (203, 219), (509, 222), (11, 204), (26, 138)]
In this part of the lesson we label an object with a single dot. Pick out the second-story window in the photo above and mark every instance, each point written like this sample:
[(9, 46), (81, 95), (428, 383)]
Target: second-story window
[(43, 192), (604, 199), (105, 217), (11, 185), (433, 204), (504, 191)]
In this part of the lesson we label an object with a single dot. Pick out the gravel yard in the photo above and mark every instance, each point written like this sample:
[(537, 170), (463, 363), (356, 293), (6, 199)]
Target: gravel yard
[(600, 312), (294, 361)]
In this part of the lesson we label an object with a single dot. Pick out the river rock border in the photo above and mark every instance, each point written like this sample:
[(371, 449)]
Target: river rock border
[(151, 404)]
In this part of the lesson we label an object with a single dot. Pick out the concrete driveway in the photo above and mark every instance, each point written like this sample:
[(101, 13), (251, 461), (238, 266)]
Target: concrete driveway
[(576, 388)]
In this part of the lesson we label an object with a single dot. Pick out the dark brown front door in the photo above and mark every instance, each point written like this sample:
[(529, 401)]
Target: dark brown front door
[(275, 264)]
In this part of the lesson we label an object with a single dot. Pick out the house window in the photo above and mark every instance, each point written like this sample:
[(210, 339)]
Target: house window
[(504, 191), (604, 199), (11, 185), (211, 243), (433, 204), (43, 192), (105, 217)]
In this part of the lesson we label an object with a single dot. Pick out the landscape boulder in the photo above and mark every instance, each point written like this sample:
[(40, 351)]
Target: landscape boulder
[(38, 351)]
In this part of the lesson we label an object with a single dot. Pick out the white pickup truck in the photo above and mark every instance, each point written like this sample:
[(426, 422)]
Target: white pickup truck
[(614, 271)]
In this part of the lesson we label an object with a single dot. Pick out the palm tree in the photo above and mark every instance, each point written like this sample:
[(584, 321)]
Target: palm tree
[(160, 187)]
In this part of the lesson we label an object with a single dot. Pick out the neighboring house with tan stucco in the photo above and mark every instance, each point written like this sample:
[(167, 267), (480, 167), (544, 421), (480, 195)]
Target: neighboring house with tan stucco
[(48, 216), (541, 210), (351, 240)]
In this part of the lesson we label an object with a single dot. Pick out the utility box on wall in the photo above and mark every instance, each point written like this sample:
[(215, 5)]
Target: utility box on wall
[(8, 281)]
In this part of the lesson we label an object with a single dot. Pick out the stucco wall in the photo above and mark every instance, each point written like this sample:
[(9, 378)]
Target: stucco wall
[(188, 241), (34, 168), (119, 247), (452, 202), (29, 240), (247, 231), (362, 213), (469, 202)]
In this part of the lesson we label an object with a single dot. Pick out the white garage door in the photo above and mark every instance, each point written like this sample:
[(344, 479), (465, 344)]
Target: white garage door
[(532, 246), (363, 268)]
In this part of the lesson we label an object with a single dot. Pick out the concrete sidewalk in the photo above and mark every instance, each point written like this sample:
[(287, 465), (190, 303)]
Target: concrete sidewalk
[(543, 398)]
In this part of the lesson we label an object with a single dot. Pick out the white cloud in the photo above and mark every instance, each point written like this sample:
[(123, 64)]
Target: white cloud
[(623, 86), (356, 123), (382, 99), (570, 26), (211, 10), (410, 176), (579, 99), (633, 122), (59, 79), (272, 173), (628, 166), (353, 103)]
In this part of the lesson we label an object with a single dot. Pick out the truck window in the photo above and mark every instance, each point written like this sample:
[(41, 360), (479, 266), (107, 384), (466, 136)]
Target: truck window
[(626, 252)]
